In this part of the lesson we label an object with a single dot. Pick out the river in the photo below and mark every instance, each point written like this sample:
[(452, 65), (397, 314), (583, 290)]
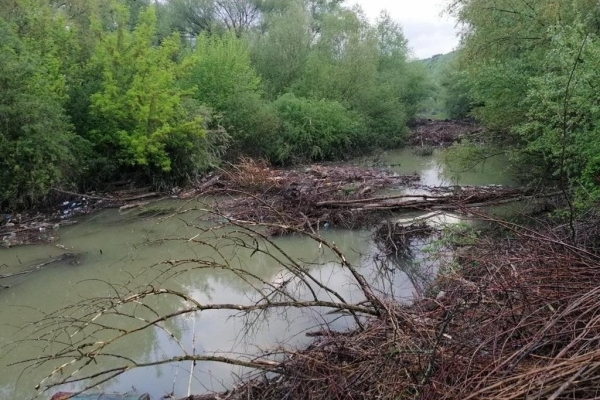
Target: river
[(121, 248)]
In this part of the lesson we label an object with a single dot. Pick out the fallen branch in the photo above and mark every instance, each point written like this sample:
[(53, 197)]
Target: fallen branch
[(38, 267)]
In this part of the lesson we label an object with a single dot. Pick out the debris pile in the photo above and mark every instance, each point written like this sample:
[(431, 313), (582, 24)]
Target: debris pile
[(395, 239), (41, 226), (442, 133), (299, 197), (323, 196), (517, 319)]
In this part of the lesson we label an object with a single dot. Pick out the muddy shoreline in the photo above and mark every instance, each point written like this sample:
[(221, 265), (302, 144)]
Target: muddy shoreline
[(42, 226)]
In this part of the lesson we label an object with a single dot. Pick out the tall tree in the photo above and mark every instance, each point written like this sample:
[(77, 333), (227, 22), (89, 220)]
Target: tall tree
[(196, 16), (530, 70), (141, 118), (35, 136), (280, 55)]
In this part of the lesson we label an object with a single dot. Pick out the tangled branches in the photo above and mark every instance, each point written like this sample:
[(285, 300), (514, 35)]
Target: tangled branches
[(519, 318), (527, 324), (291, 197), (341, 196), (81, 344), (514, 315)]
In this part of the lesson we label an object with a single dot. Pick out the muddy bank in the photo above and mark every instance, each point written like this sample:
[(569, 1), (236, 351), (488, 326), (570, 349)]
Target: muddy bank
[(42, 226)]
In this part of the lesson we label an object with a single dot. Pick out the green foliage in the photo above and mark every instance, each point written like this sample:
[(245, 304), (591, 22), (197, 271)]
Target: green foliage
[(220, 71), (161, 91), (563, 122), (140, 118), (457, 100), (449, 93), (35, 136), (343, 63), (315, 130), (531, 69), (281, 55)]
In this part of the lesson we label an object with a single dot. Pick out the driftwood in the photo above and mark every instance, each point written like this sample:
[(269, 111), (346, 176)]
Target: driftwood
[(70, 257), (442, 133), (466, 196), (115, 199), (325, 196), (517, 320)]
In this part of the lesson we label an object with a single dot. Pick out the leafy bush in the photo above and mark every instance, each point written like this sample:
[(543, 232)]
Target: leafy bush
[(35, 137), (315, 130), (141, 120), (563, 125), (221, 76)]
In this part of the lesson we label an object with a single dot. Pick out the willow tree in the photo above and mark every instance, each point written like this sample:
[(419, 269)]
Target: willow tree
[(280, 55), (142, 122), (35, 136), (532, 76), (221, 74)]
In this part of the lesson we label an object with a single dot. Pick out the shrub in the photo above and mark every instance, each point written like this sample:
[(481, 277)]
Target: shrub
[(315, 130), (35, 136)]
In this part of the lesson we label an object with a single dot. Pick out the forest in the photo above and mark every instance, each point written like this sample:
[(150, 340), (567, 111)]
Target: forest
[(527, 72), (379, 277), (159, 93)]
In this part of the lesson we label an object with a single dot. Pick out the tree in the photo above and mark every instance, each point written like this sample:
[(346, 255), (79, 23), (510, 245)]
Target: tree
[(564, 112), (504, 44), (197, 16), (280, 55), (220, 71), (35, 137), (316, 130), (530, 74), (140, 116)]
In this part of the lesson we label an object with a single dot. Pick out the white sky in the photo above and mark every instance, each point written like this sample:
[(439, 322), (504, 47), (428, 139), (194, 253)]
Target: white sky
[(427, 31)]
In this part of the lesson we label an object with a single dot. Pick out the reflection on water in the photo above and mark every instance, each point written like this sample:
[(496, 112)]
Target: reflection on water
[(124, 250), (435, 171)]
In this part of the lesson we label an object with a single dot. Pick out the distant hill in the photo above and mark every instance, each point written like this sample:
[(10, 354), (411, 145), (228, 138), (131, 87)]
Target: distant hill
[(434, 106), (438, 63)]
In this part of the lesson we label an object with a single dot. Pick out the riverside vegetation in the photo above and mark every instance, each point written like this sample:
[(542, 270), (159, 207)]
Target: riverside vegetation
[(158, 93), (162, 92)]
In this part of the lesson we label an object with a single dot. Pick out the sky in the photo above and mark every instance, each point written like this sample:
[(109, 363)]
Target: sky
[(428, 32)]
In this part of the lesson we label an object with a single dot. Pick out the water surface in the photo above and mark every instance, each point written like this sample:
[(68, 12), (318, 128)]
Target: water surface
[(120, 248)]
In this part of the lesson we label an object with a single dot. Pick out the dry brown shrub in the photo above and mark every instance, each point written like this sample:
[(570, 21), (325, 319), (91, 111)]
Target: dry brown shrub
[(252, 175)]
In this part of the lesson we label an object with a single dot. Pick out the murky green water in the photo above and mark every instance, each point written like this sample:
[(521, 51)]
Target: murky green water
[(435, 171), (119, 248)]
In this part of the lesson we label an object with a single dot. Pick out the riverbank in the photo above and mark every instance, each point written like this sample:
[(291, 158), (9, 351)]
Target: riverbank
[(333, 182), (232, 267), (512, 316), (42, 225)]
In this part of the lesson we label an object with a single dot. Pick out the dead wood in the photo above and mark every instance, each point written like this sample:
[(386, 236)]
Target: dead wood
[(518, 319), (253, 191), (396, 238), (323, 196), (66, 257), (442, 132)]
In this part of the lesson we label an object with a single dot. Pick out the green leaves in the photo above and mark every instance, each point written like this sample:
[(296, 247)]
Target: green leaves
[(106, 85), (564, 109), (139, 107), (316, 130), (532, 73), (35, 136)]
